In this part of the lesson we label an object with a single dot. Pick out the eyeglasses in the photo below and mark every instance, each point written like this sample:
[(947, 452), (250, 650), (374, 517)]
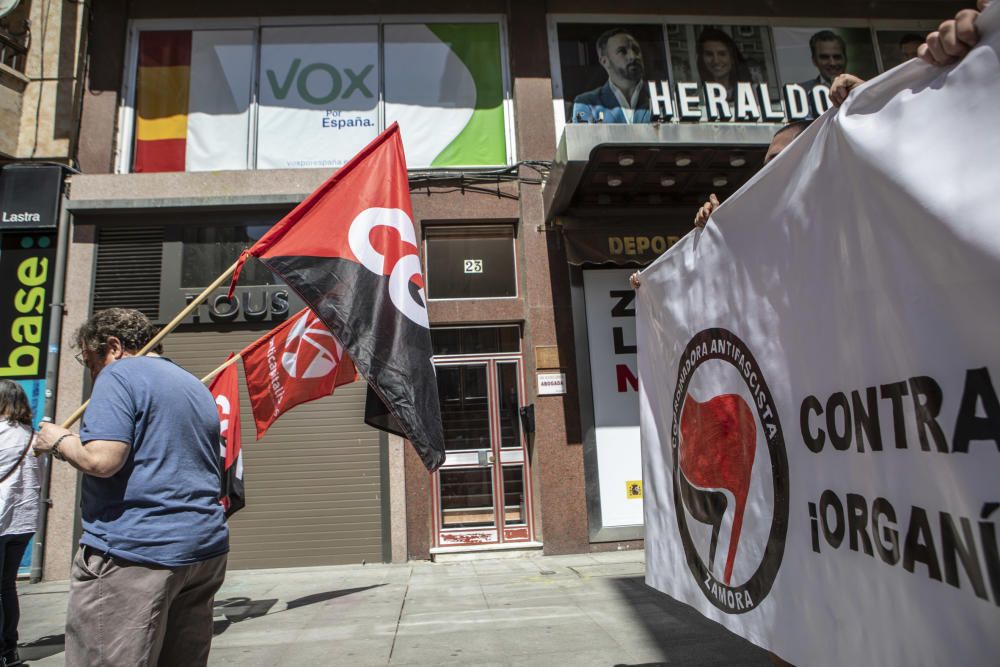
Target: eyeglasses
[(79, 358)]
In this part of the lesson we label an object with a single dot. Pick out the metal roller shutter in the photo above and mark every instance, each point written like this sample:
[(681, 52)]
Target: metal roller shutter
[(313, 483)]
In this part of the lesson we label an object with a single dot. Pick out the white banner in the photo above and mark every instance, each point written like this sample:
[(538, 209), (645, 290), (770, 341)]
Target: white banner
[(615, 380), (819, 372)]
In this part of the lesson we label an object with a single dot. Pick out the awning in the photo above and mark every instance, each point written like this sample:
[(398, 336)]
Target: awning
[(649, 167)]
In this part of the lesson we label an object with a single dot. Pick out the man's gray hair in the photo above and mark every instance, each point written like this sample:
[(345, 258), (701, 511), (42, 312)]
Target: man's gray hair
[(128, 325)]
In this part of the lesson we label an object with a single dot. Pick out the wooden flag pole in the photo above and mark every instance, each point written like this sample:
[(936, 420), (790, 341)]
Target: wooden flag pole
[(197, 301), (229, 362), (170, 326)]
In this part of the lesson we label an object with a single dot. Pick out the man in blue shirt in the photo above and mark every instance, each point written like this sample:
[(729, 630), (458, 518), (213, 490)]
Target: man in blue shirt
[(155, 542), (624, 97)]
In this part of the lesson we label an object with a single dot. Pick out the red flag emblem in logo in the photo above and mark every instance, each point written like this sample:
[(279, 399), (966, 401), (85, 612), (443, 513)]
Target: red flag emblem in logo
[(718, 443), (297, 362)]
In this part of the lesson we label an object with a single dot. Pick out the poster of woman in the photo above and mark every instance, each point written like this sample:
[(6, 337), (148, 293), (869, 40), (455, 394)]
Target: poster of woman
[(722, 54), (720, 61)]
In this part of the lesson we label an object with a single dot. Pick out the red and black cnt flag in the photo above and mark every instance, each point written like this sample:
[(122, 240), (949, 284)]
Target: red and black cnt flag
[(225, 388), (350, 252)]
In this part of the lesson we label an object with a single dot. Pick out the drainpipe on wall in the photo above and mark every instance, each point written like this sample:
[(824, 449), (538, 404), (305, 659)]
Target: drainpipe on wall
[(51, 376)]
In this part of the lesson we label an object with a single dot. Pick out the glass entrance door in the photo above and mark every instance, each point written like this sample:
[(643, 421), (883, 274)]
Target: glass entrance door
[(482, 492), (466, 479)]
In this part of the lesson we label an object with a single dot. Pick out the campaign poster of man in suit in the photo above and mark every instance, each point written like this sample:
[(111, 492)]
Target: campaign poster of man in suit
[(606, 70)]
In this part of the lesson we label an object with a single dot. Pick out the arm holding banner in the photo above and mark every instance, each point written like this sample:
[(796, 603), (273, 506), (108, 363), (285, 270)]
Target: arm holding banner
[(945, 46), (842, 87), (953, 38), (701, 217)]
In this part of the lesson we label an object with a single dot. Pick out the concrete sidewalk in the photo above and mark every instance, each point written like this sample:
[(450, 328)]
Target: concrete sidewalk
[(590, 609)]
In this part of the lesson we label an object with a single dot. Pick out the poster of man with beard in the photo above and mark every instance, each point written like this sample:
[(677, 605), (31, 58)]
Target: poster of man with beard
[(605, 70)]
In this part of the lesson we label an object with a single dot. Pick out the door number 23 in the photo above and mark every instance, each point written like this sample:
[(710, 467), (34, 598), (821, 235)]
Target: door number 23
[(473, 266)]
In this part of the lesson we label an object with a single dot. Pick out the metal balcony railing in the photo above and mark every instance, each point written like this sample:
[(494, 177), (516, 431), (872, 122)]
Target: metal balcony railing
[(13, 51)]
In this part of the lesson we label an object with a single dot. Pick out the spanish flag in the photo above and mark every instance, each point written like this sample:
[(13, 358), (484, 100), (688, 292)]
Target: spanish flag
[(162, 90), (193, 100)]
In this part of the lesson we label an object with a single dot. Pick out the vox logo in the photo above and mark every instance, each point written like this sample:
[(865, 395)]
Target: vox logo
[(320, 83)]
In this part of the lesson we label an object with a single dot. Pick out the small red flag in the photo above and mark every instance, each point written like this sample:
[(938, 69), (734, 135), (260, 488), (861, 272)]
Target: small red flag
[(225, 388), (297, 362)]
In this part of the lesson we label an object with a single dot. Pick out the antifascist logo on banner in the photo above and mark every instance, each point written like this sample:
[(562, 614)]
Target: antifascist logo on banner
[(729, 455), (311, 351)]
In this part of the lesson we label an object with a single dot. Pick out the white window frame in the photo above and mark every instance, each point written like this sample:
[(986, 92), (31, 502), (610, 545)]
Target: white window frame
[(125, 139), (476, 225)]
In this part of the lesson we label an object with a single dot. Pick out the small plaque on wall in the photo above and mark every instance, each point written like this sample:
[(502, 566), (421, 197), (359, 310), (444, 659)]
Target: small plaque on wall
[(547, 357), (551, 384)]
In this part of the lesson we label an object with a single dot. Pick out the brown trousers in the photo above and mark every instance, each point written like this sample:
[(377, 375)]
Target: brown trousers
[(132, 615)]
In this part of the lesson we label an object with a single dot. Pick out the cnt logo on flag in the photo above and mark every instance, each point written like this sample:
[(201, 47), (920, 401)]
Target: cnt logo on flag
[(223, 405), (399, 260), (729, 457), (311, 351)]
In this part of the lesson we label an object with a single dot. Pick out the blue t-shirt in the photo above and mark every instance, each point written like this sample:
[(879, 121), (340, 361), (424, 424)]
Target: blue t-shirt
[(162, 507)]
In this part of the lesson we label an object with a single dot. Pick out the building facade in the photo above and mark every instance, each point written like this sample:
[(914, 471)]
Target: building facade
[(553, 148), (41, 75)]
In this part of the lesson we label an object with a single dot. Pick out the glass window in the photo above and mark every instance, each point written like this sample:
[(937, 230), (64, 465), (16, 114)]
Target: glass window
[(192, 106), (287, 97), (514, 511), (722, 54), (467, 498), (464, 407), (476, 340), (634, 54), (508, 402), (814, 57), (318, 95), (470, 262), (898, 46), (444, 85), (208, 250)]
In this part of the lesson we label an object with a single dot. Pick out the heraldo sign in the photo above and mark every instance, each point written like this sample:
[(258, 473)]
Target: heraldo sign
[(689, 101), (818, 390)]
